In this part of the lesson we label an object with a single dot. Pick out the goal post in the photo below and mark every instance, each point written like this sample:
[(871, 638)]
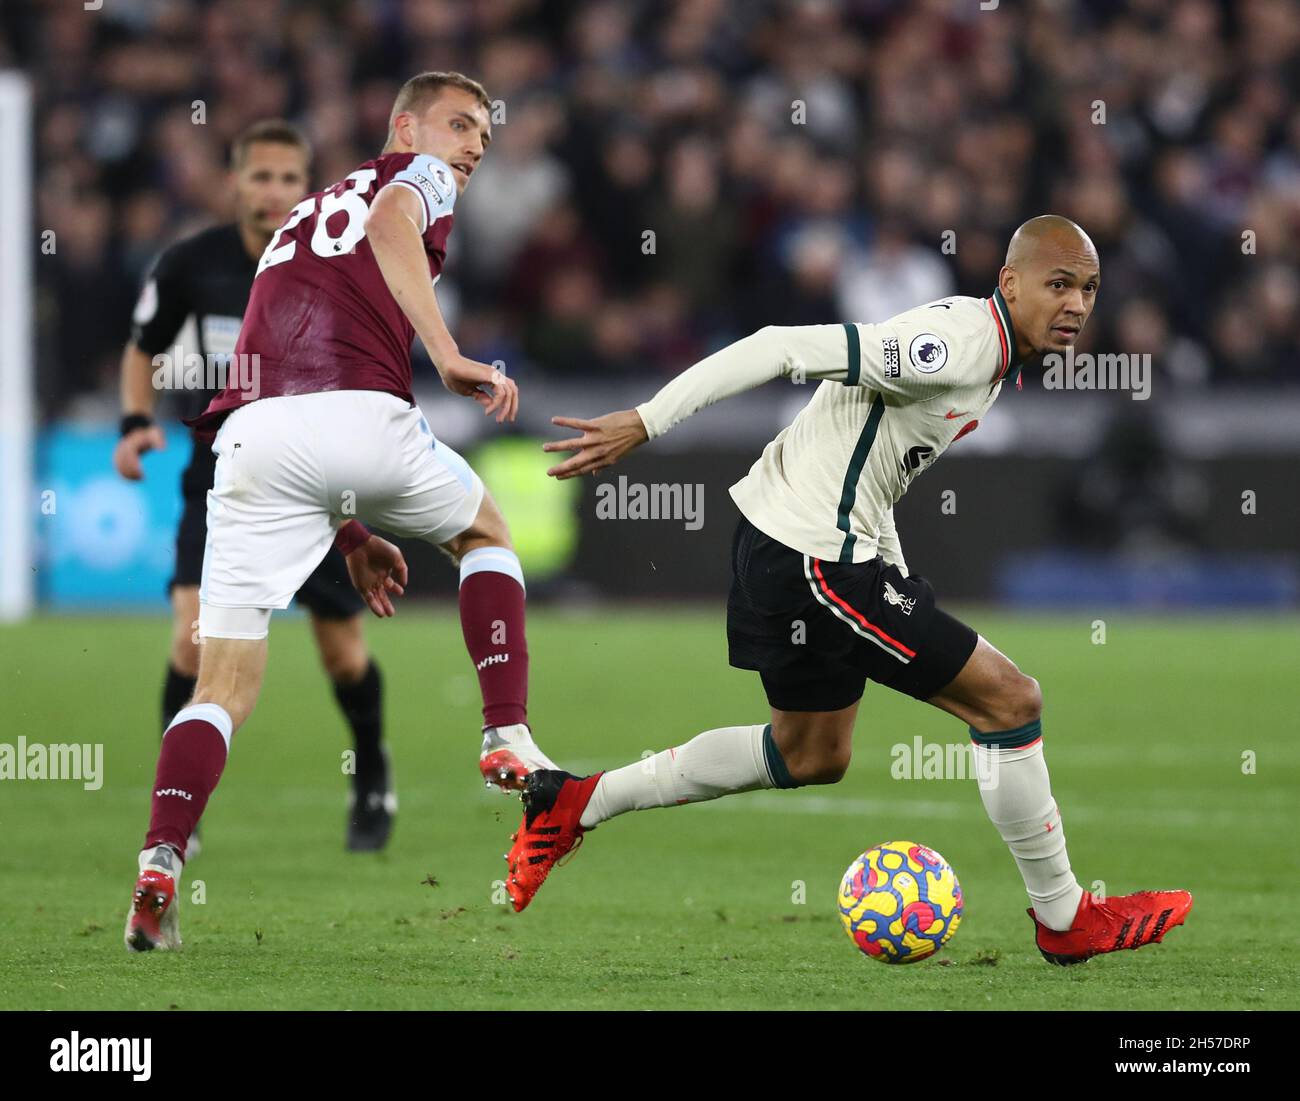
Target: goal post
[(17, 366)]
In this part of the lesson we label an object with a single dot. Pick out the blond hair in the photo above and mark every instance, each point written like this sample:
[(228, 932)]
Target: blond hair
[(417, 93)]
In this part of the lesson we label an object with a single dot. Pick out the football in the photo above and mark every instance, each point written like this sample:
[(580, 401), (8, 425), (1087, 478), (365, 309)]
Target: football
[(900, 902)]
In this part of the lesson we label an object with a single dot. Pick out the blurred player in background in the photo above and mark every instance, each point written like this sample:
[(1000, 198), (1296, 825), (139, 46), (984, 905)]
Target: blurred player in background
[(329, 430), (816, 547), (208, 277)]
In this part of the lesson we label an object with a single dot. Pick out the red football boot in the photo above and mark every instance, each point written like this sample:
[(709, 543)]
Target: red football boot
[(553, 804), (1123, 921), (508, 755), (153, 921)]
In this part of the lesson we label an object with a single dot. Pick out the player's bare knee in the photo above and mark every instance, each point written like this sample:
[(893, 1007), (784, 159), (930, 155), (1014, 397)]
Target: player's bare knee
[(817, 761), (184, 656), (463, 544), (230, 676), (493, 529), (345, 665), (489, 529), (342, 649), (236, 703), (827, 767), (1034, 700), (816, 747), (184, 651), (1020, 702)]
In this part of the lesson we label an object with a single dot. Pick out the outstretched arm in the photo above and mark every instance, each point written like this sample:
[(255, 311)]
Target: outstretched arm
[(797, 352), (801, 352), (393, 229), (603, 442)]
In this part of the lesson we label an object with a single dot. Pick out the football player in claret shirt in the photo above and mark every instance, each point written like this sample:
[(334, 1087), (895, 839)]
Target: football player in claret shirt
[(207, 277), (319, 426), (816, 545)]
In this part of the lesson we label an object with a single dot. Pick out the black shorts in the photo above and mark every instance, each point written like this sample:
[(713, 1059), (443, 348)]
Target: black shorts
[(816, 631), (327, 592)]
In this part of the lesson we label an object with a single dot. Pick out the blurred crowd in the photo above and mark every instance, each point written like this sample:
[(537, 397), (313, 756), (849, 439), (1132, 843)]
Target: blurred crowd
[(670, 175)]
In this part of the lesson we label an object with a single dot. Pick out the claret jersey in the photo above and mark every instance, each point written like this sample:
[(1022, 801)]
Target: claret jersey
[(320, 316), (894, 396)]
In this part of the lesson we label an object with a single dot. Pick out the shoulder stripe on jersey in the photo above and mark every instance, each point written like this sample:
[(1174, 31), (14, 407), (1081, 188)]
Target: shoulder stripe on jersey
[(1006, 336), (850, 491), (855, 354), (843, 610), (1002, 340)]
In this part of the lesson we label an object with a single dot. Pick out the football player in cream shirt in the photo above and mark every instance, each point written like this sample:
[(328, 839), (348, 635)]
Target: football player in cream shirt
[(816, 548)]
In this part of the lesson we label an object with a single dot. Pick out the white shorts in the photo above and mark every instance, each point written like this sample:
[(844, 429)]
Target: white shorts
[(291, 470)]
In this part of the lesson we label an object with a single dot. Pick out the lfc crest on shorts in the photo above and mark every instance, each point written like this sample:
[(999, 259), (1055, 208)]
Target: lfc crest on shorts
[(905, 604)]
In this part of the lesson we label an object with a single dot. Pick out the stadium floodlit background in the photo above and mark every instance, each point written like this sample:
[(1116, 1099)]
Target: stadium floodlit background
[(796, 163), (664, 178)]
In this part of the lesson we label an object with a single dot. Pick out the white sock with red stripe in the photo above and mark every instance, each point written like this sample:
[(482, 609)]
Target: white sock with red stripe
[(712, 764), (1017, 794)]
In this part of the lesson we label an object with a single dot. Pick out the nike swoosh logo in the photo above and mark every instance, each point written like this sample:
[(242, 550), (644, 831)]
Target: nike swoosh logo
[(952, 415)]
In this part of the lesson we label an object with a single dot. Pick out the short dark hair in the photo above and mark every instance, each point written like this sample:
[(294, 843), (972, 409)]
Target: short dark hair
[(418, 92), (276, 131)]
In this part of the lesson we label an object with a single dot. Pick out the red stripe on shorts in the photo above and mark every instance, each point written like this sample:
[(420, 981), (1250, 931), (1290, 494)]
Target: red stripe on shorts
[(817, 569)]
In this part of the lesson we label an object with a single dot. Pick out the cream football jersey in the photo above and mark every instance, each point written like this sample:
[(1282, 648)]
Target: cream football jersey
[(892, 397)]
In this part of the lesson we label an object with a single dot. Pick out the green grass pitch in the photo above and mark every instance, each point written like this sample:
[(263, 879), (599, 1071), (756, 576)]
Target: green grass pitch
[(694, 907)]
